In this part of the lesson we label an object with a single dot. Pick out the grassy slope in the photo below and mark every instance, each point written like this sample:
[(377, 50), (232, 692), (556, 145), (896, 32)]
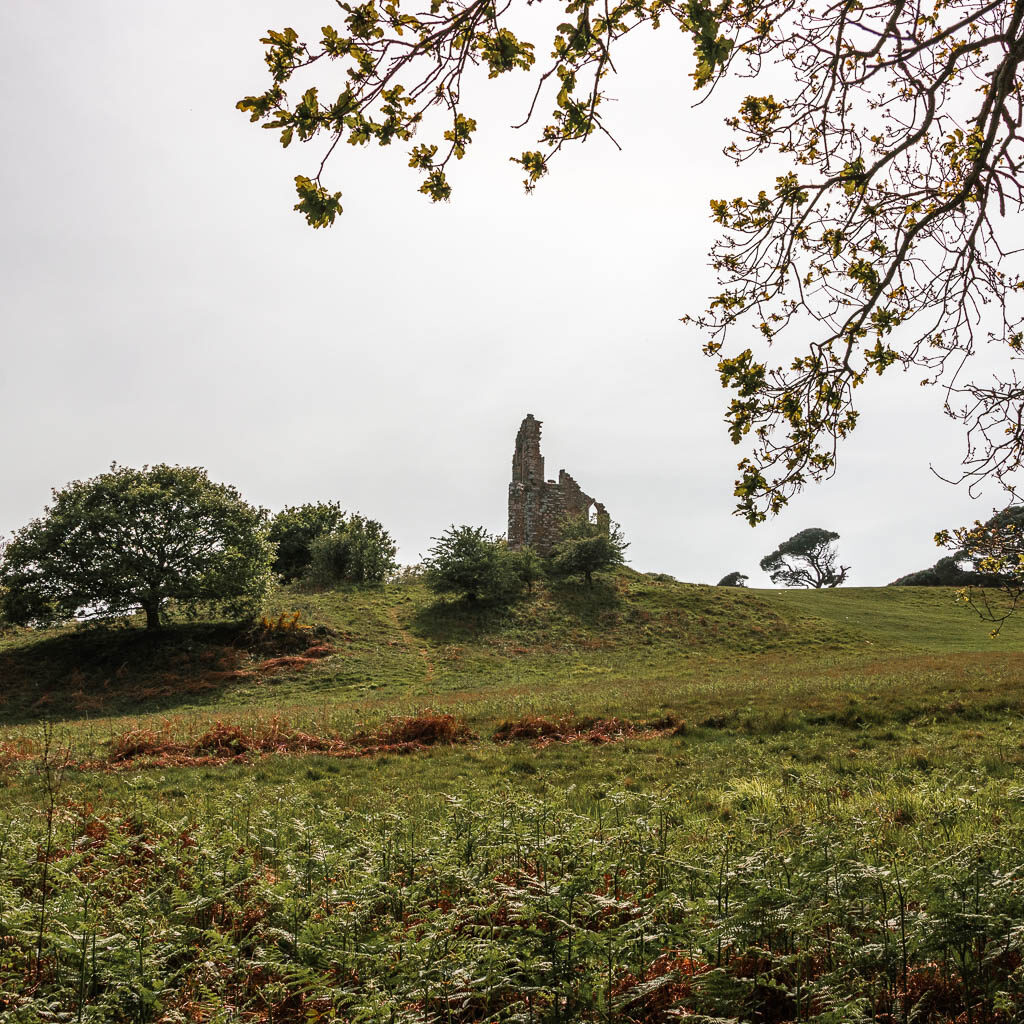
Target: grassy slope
[(636, 647), (903, 618), (857, 728)]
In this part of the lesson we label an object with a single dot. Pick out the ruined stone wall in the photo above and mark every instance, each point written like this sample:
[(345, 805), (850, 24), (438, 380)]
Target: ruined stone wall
[(527, 462), (537, 507)]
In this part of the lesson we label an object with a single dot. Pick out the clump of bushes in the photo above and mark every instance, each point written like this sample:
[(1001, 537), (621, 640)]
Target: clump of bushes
[(294, 529), (284, 634), (528, 566), (427, 729), (972, 563), (323, 545), (479, 566), (360, 550), (733, 579), (946, 572)]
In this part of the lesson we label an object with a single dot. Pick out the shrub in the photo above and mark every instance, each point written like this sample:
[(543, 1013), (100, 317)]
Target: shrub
[(733, 579), (946, 572), (360, 550), (469, 561), (294, 529), (528, 566), (4, 624)]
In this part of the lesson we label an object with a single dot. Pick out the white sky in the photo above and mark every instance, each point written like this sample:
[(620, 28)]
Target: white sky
[(160, 301)]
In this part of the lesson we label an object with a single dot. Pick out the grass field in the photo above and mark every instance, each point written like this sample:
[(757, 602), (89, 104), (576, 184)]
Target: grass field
[(646, 802)]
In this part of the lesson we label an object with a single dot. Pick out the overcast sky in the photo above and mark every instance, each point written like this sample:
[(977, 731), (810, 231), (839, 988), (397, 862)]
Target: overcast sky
[(161, 302)]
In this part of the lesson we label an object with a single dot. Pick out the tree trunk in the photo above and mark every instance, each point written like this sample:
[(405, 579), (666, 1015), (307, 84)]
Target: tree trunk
[(152, 615)]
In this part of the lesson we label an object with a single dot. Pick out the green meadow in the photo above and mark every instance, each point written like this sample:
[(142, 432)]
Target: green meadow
[(646, 801)]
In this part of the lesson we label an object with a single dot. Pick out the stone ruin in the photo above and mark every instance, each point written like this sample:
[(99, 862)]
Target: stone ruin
[(538, 507)]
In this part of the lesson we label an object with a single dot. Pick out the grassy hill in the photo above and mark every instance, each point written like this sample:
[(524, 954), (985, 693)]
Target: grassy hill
[(647, 801), (395, 646)]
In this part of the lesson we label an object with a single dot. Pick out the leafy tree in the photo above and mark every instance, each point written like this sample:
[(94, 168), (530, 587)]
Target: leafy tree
[(807, 559), (588, 547), (293, 530), (359, 550), (891, 141), (134, 539), (468, 560), (733, 579)]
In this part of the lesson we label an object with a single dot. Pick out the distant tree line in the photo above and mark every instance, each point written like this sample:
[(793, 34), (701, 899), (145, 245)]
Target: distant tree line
[(165, 541), (990, 559), (948, 571)]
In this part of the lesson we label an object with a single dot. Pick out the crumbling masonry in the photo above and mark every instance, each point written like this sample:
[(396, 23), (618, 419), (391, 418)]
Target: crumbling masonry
[(538, 507)]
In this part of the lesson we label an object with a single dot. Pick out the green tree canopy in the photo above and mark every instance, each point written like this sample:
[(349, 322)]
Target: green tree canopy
[(136, 539), (293, 530), (890, 138), (469, 561), (587, 547), (807, 559)]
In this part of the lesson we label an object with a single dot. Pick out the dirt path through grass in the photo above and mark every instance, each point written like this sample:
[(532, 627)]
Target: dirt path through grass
[(412, 642)]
